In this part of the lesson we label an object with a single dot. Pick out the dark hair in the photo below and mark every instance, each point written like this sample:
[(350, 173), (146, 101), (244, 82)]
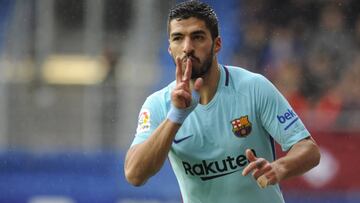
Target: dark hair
[(198, 10)]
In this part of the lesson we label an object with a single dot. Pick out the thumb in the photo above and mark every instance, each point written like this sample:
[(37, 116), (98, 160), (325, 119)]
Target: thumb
[(195, 93), (250, 155), (198, 84)]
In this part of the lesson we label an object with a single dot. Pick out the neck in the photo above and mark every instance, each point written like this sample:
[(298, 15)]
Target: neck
[(210, 84)]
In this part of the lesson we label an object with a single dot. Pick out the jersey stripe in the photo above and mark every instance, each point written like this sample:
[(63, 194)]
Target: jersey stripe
[(227, 76), (272, 142)]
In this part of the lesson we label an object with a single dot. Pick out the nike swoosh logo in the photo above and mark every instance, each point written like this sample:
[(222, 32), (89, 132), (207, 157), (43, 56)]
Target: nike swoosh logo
[(182, 139)]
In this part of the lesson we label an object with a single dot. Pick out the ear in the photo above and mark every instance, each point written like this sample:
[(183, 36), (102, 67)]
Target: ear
[(169, 50), (217, 44)]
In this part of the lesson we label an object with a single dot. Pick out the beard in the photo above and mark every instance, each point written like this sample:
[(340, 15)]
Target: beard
[(203, 67)]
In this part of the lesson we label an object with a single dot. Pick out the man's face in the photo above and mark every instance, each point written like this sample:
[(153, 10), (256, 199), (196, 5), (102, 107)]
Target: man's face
[(191, 39)]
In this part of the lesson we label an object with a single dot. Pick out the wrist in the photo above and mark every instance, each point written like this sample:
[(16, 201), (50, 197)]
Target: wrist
[(178, 115), (282, 171)]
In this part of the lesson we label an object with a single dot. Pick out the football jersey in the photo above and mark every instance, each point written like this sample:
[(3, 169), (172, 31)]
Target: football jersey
[(208, 152)]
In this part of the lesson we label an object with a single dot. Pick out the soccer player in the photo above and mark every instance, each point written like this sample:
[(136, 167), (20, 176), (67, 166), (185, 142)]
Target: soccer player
[(217, 123)]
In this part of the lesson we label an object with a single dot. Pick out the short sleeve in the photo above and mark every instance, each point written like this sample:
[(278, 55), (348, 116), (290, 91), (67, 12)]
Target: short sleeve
[(277, 116), (150, 117)]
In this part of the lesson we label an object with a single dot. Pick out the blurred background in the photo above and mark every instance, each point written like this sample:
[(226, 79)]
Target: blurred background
[(74, 74)]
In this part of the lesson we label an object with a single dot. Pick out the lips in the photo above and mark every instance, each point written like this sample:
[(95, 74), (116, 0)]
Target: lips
[(192, 58)]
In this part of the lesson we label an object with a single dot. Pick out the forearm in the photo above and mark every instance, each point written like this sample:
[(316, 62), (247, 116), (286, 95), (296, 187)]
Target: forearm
[(302, 157), (144, 160)]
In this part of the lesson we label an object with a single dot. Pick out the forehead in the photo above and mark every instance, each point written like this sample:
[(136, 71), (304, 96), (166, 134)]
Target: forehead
[(187, 26)]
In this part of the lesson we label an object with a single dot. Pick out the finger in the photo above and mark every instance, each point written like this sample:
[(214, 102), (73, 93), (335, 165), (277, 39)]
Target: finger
[(250, 155), (183, 85), (262, 181), (249, 168), (198, 84), (260, 171), (182, 94), (257, 164), (178, 71), (188, 70)]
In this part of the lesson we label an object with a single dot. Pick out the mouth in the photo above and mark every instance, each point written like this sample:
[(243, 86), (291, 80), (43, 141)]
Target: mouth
[(192, 58)]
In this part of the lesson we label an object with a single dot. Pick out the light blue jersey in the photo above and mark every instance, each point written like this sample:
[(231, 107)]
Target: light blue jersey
[(208, 152)]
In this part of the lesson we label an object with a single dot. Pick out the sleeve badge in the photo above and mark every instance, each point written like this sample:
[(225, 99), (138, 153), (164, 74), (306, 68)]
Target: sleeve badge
[(143, 121)]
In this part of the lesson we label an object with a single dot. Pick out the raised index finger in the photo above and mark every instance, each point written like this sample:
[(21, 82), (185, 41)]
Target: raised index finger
[(249, 168), (178, 71), (188, 70), (252, 159), (257, 164)]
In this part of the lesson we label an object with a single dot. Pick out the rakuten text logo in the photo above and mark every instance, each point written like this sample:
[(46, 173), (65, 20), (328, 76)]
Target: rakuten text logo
[(208, 170)]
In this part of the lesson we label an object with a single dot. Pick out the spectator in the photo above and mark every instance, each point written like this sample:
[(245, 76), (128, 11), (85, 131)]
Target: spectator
[(316, 34), (253, 47), (349, 91), (288, 79), (330, 50)]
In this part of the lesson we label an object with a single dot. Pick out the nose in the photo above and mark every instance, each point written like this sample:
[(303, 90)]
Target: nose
[(188, 47)]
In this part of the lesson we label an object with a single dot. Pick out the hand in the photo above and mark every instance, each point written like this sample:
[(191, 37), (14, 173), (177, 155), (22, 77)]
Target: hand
[(264, 172), (181, 95)]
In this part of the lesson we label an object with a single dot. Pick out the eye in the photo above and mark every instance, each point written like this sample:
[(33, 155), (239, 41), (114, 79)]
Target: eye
[(176, 38), (198, 37)]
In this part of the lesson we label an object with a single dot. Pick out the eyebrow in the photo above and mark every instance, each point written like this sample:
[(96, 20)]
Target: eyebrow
[(175, 34), (197, 32), (202, 32)]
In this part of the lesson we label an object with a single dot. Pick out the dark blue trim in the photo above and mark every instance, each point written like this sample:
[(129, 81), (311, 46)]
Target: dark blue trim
[(227, 76), (272, 142), (292, 122)]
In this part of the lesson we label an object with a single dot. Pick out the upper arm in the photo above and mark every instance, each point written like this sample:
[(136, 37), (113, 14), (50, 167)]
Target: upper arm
[(150, 117), (308, 149), (307, 142), (277, 116)]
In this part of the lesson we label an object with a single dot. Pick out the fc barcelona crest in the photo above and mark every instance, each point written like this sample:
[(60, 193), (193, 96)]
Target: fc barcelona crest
[(241, 127)]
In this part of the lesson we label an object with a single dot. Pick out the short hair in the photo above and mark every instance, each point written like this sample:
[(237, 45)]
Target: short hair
[(198, 10)]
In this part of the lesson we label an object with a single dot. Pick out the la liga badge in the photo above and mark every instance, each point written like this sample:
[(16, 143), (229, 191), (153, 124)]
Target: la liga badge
[(144, 121)]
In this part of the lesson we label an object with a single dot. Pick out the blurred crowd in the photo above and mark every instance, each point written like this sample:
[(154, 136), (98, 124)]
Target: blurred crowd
[(310, 50)]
